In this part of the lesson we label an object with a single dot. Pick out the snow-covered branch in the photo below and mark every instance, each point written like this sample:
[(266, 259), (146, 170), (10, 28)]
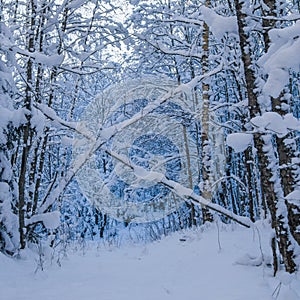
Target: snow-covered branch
[(169, 51), (219, 25), (107, 133), (180, 190)]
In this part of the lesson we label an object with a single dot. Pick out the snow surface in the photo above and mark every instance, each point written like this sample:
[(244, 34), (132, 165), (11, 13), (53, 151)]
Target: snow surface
[(51, 220), (239, 141), (219, 25), (282, 57), (293, 197), (201, 264), (272, 121)]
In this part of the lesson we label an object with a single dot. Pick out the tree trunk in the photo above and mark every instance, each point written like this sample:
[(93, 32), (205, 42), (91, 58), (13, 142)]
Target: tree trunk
[(205, 142), (26, 128), (266, 151), (287, 147)]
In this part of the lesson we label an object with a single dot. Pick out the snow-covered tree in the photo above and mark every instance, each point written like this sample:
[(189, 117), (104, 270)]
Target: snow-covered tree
[(53, 53), (246, 46)]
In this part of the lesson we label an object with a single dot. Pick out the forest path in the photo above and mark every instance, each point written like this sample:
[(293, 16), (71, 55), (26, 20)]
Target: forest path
[(194, 269)]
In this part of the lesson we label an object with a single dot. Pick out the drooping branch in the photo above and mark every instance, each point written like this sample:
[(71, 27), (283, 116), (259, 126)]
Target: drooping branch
[(107, 133), (180, 190)]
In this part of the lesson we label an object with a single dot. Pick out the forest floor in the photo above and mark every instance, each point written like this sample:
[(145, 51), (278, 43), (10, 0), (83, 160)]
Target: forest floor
[(210, 263)]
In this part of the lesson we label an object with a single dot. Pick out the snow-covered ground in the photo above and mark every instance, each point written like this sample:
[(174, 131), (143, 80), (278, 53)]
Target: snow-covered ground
[(203, 264)]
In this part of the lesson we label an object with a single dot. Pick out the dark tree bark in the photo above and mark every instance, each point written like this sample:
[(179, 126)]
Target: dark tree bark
[(287, 148), (265, 152)]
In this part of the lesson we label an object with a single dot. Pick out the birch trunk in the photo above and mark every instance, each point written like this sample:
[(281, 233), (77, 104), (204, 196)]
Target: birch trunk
[(266, 152), (206, 150)]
